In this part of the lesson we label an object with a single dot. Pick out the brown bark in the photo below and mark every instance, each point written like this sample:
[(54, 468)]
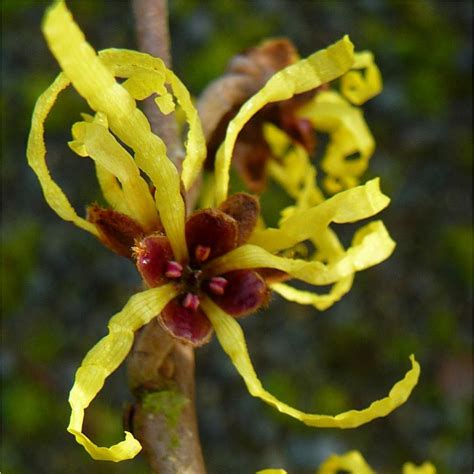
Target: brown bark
[(161, 370), (161, 373)]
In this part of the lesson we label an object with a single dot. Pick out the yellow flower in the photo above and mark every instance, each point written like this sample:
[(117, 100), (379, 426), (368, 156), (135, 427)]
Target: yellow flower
[(425, 468), (163, 212), (324, 109), (352, 462), (347, 154), (350, 143)]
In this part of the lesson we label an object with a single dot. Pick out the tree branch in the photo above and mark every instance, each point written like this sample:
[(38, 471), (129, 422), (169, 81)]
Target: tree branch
[(161, 370), (151, 19)]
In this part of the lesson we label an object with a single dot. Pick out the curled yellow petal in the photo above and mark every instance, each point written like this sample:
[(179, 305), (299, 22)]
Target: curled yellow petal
[(142, 83), (319, 301), (359, 87), (328, 249), (195, 144), (306, 74), (165, 103), (104, 358), (292, 168), (425, 468), (126, 63), (348, 206), (349, 135), (96, 84), (36, 153), (351, 462), (231, 338), (371, 245), (111, 189), (94, 139)]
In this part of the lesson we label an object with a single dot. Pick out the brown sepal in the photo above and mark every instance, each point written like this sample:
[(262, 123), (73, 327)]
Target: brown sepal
[(245, 209), (251, 154), (261, 62), (299, 129), (246, 74), (117, 231), (272, 275)]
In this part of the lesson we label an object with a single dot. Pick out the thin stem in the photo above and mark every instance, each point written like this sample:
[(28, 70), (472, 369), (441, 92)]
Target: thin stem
[(151, 19), (161, 374), (161, 371)]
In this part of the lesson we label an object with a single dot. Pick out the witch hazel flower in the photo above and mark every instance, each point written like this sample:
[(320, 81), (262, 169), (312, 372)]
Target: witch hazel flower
[(332, 109), (207, 269), (210, 233), (353, 462)]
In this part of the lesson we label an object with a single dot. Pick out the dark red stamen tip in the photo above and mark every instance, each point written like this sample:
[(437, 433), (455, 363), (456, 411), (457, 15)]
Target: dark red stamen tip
[(173, 269), (202, 253), (217, 285), (191, 302)]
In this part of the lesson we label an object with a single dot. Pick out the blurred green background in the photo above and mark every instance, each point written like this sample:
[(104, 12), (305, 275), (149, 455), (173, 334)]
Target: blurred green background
[(59, 286)]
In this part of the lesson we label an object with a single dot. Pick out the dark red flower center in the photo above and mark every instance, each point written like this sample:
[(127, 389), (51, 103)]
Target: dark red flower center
[(209, 234), (151, 258)]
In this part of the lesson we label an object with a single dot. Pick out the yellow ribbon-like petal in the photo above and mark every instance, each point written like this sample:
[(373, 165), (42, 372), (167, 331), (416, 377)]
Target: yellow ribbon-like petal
[(328, 249), (292, 168), (104, 358), (372, 246), (425, 468), (142, 83), (126, 63), (231, 338), (304, 75), (320, 302), (195, 144), (349, 134), (36, 153), (359, 88), (348, 206), (352, 462), (295, 173), (111, 189), (96, 84), (94, 139), (108, 183)]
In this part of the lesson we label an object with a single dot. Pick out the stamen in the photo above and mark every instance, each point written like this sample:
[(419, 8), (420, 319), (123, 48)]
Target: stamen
[(217, 285), (173, 269), (202, 253), (191, 302)]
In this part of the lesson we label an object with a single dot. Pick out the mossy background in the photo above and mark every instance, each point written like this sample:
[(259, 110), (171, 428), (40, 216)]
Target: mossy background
[(59, 286)]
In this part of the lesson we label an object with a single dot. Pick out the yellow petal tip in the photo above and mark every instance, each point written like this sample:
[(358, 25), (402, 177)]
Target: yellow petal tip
[(347, 40)]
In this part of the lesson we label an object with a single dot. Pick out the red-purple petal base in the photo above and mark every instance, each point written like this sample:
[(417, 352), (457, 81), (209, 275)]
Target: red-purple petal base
[(185, 324), (210, 229), (244, 293), (153, 256)]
